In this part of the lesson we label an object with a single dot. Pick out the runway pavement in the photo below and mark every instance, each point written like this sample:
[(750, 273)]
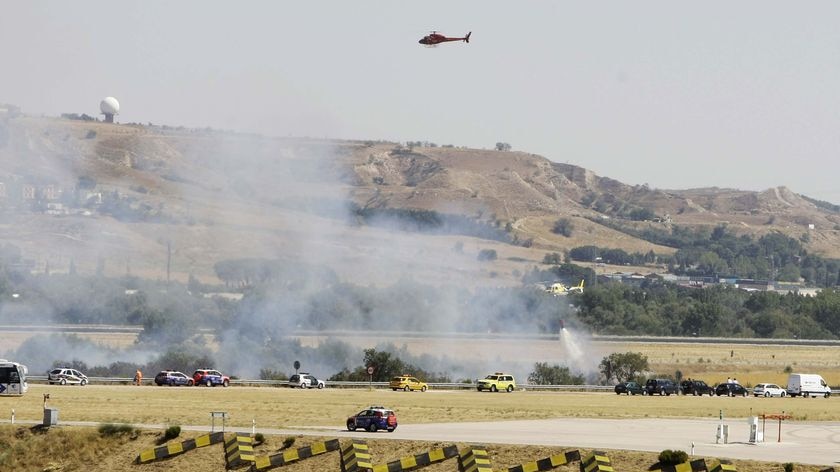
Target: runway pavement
[(807, 443), (815, 443)]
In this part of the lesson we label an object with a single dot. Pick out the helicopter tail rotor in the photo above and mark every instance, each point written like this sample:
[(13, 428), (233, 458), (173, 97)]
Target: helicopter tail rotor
[(467, 38)]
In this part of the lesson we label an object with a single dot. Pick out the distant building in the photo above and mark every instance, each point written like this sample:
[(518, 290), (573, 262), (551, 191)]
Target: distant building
[(52, 192), (27, 192), (752, 285)]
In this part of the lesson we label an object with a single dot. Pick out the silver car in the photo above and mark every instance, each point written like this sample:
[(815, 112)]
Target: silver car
[(304, 380), (768, 390), (64, 376)]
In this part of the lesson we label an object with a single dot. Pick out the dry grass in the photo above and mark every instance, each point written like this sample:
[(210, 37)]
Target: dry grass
[(751, 364), (289, 408), (71, 449)]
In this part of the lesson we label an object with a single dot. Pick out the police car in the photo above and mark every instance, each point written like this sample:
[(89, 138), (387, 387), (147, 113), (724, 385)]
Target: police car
[(171, 377), (210, 378), (64, 375)]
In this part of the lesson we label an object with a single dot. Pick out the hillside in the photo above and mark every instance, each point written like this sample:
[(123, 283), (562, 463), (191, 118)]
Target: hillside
[(131, 196)]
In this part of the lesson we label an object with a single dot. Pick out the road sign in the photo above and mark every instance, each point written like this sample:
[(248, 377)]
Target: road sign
[(370, 370)]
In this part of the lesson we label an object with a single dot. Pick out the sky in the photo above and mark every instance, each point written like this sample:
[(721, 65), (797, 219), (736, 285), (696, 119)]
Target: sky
[(670, 94)]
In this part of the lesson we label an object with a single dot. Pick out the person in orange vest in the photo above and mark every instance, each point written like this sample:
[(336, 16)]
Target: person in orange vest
[(138, 377)]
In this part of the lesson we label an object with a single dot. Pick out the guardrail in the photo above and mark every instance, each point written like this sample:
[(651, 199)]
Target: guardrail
[(42, 379)]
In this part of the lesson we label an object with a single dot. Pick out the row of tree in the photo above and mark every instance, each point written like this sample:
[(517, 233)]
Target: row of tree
[(662, 309), (719, 252)]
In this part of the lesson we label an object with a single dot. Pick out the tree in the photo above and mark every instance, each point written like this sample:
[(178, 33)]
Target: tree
[(564, 227), (502, 146), (623, 366), (545, 374), (553, 258), (487, 255), (584, 253)]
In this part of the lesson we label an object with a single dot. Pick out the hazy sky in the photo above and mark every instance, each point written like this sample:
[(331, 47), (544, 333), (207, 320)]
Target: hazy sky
[(730, 94)]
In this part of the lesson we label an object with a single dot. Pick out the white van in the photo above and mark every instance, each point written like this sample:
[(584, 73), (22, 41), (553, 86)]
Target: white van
[(807, 385)]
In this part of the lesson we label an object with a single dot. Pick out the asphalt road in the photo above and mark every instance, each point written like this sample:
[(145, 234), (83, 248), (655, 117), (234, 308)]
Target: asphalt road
[(807, 443), (815, 443)]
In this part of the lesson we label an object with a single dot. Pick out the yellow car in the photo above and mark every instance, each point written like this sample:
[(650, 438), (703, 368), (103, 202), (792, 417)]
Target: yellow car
[(497, 381), (407, 383)]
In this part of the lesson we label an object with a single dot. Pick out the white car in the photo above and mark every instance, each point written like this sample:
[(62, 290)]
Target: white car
[(768, 390), (63, 376), (304, 380)]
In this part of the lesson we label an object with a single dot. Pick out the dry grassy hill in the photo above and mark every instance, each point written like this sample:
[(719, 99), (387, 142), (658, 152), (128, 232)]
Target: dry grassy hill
[(211, 195)]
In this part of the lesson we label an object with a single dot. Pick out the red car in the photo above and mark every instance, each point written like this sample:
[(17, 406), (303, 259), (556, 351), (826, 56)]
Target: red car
[(210, 378)]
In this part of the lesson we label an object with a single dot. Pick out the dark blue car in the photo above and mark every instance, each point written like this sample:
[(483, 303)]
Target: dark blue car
[(373, 419)]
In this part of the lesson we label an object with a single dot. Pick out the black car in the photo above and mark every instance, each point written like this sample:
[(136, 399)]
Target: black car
[(630, 388), (696, 387), (731, 390), (660, 387)]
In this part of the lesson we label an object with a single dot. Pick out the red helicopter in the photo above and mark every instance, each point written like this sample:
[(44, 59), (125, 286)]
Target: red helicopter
[(436, 38)]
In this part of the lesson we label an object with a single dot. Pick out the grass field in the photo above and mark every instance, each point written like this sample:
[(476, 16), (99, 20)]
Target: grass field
[(274, 407), (83, 449)]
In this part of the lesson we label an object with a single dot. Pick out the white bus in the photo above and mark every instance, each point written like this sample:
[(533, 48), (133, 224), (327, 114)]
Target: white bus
[(12, 378)]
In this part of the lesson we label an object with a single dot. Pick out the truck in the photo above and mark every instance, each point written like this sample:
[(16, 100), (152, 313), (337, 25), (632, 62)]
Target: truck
[(807, 385)]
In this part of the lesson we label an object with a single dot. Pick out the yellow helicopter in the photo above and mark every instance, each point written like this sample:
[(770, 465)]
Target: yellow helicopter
[(560, 288)]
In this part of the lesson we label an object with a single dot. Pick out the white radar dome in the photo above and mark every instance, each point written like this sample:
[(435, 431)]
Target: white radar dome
[(109, 106)]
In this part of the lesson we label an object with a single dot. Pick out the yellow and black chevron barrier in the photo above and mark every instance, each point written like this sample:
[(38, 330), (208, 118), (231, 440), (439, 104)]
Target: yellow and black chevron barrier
[(355, 457), (294, 455), (474, 459), (597, 461), (418, 461), (724, 466), (698, 465), (239, 450), (548, 463), (173, 449)]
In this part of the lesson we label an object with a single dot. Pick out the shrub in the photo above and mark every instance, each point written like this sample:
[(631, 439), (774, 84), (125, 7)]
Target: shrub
[(553, 258), (172, 432), (669, 457), (487, 255), (564, 227), (259, 438), (545, 374), (270, 374), (288, 442), (110, 429), (789, 467)]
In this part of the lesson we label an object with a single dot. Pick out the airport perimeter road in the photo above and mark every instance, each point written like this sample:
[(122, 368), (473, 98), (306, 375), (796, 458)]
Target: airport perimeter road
[(815, 443), (807, 443)]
